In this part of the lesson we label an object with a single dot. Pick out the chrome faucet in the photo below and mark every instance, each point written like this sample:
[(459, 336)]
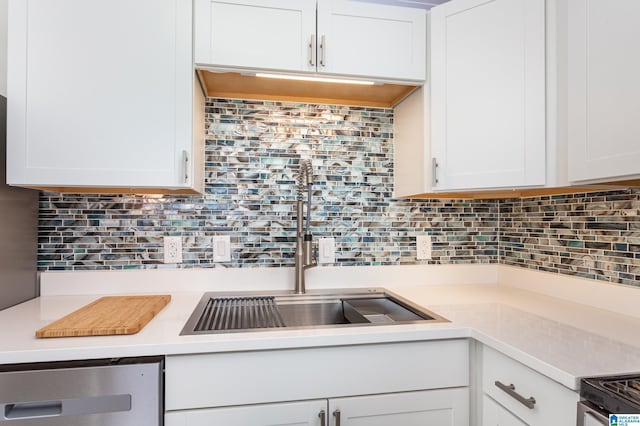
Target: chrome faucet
[(304, 239)]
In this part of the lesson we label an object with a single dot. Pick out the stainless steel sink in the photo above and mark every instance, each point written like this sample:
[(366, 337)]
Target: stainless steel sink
[(243, 311)]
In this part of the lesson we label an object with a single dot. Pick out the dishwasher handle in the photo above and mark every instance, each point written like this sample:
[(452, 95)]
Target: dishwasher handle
[(66, 407), (32, 409)]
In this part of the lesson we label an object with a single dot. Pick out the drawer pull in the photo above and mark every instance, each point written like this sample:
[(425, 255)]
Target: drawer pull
[(511, 391)]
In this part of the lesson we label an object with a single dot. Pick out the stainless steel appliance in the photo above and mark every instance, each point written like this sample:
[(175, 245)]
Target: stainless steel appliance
[(114, 392), (590, 415), (18, 233), (602, 396)]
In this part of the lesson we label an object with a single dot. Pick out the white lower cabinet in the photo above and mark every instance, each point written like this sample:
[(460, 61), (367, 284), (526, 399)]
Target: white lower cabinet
[(443, 407), (515, 395), (408, 383), (494, 414), (448, 407), (301, 413)]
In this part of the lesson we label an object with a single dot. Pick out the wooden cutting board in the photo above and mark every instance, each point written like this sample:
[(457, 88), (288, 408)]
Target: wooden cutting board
[(107, 316)]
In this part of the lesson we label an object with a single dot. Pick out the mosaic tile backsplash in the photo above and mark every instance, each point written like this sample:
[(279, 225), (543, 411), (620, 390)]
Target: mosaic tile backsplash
[(595, 235), (252, 153)]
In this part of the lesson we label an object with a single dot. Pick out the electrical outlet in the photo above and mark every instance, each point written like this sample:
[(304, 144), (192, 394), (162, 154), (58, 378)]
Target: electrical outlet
[(327, 250), (221, 248), (423, 247), (172, 249)]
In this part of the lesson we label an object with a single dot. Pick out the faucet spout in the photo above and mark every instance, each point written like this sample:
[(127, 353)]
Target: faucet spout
[(304, 239)]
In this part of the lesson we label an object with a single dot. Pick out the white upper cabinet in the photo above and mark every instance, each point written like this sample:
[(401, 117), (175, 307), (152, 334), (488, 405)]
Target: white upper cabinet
[(340, 37), (604, 89), (356, 38), (101, 94), (268, 34), (488, 93)]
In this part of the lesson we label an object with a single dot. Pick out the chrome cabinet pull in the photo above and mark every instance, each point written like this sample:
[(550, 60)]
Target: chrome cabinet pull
[(336, 414), (434, 171), (312, 50), (323, 418), (185, 164), (511, 391), (323, 51)]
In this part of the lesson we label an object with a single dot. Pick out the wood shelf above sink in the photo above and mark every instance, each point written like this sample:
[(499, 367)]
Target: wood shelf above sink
[(236, 85)]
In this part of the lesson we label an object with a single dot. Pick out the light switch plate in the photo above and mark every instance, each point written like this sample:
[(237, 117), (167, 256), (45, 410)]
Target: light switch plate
[(327, 250), (221, 248), (172, 249), (423, 247)]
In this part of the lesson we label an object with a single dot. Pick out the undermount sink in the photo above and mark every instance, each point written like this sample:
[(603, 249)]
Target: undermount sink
[(243, 311)]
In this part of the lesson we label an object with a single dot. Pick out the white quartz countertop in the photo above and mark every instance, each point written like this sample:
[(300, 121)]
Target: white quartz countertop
[(558, 338)]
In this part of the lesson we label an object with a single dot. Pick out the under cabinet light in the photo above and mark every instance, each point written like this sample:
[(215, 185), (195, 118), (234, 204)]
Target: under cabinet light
[(316, 79)]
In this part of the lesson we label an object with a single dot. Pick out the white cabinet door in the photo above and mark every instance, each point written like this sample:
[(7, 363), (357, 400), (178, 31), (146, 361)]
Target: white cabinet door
[(361, 39), (100, 93), (548, 401), (488, 93), (603, 70), (494, 414), (306, 413), (266, 34), (444, 407)]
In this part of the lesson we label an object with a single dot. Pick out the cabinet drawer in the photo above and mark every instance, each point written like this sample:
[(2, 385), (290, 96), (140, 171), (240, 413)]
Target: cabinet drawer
[(554, 404), (225, 379)]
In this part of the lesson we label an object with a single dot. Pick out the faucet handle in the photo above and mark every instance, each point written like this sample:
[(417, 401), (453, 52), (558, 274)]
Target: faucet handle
[(309, 254)]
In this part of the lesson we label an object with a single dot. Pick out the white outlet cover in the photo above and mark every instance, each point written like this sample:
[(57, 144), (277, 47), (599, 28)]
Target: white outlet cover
[(221, 248), (327, 250), (172, 249), (423, 247)]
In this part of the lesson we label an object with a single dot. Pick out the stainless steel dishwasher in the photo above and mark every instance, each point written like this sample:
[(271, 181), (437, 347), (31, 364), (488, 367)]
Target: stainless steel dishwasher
[(122, 392)]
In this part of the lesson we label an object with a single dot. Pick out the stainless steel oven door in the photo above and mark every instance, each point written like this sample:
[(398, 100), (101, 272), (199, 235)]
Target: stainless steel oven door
[(590, 415)]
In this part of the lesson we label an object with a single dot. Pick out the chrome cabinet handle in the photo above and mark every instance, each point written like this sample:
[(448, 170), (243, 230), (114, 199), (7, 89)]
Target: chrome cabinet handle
[(323, 418), (434, 171), (323, 51), (511, 391), (312, 50), (336, 414), (185, 164)]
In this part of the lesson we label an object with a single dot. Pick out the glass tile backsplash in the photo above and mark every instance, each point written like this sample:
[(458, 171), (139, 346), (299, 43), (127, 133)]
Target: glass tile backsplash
[(252, 153), (594, 235)]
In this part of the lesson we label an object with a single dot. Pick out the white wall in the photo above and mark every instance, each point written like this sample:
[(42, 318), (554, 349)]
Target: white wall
[(3, 47)]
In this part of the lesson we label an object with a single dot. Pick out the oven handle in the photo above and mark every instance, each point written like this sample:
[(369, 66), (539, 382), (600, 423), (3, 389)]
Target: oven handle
[(511, 391), (587, 412)]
